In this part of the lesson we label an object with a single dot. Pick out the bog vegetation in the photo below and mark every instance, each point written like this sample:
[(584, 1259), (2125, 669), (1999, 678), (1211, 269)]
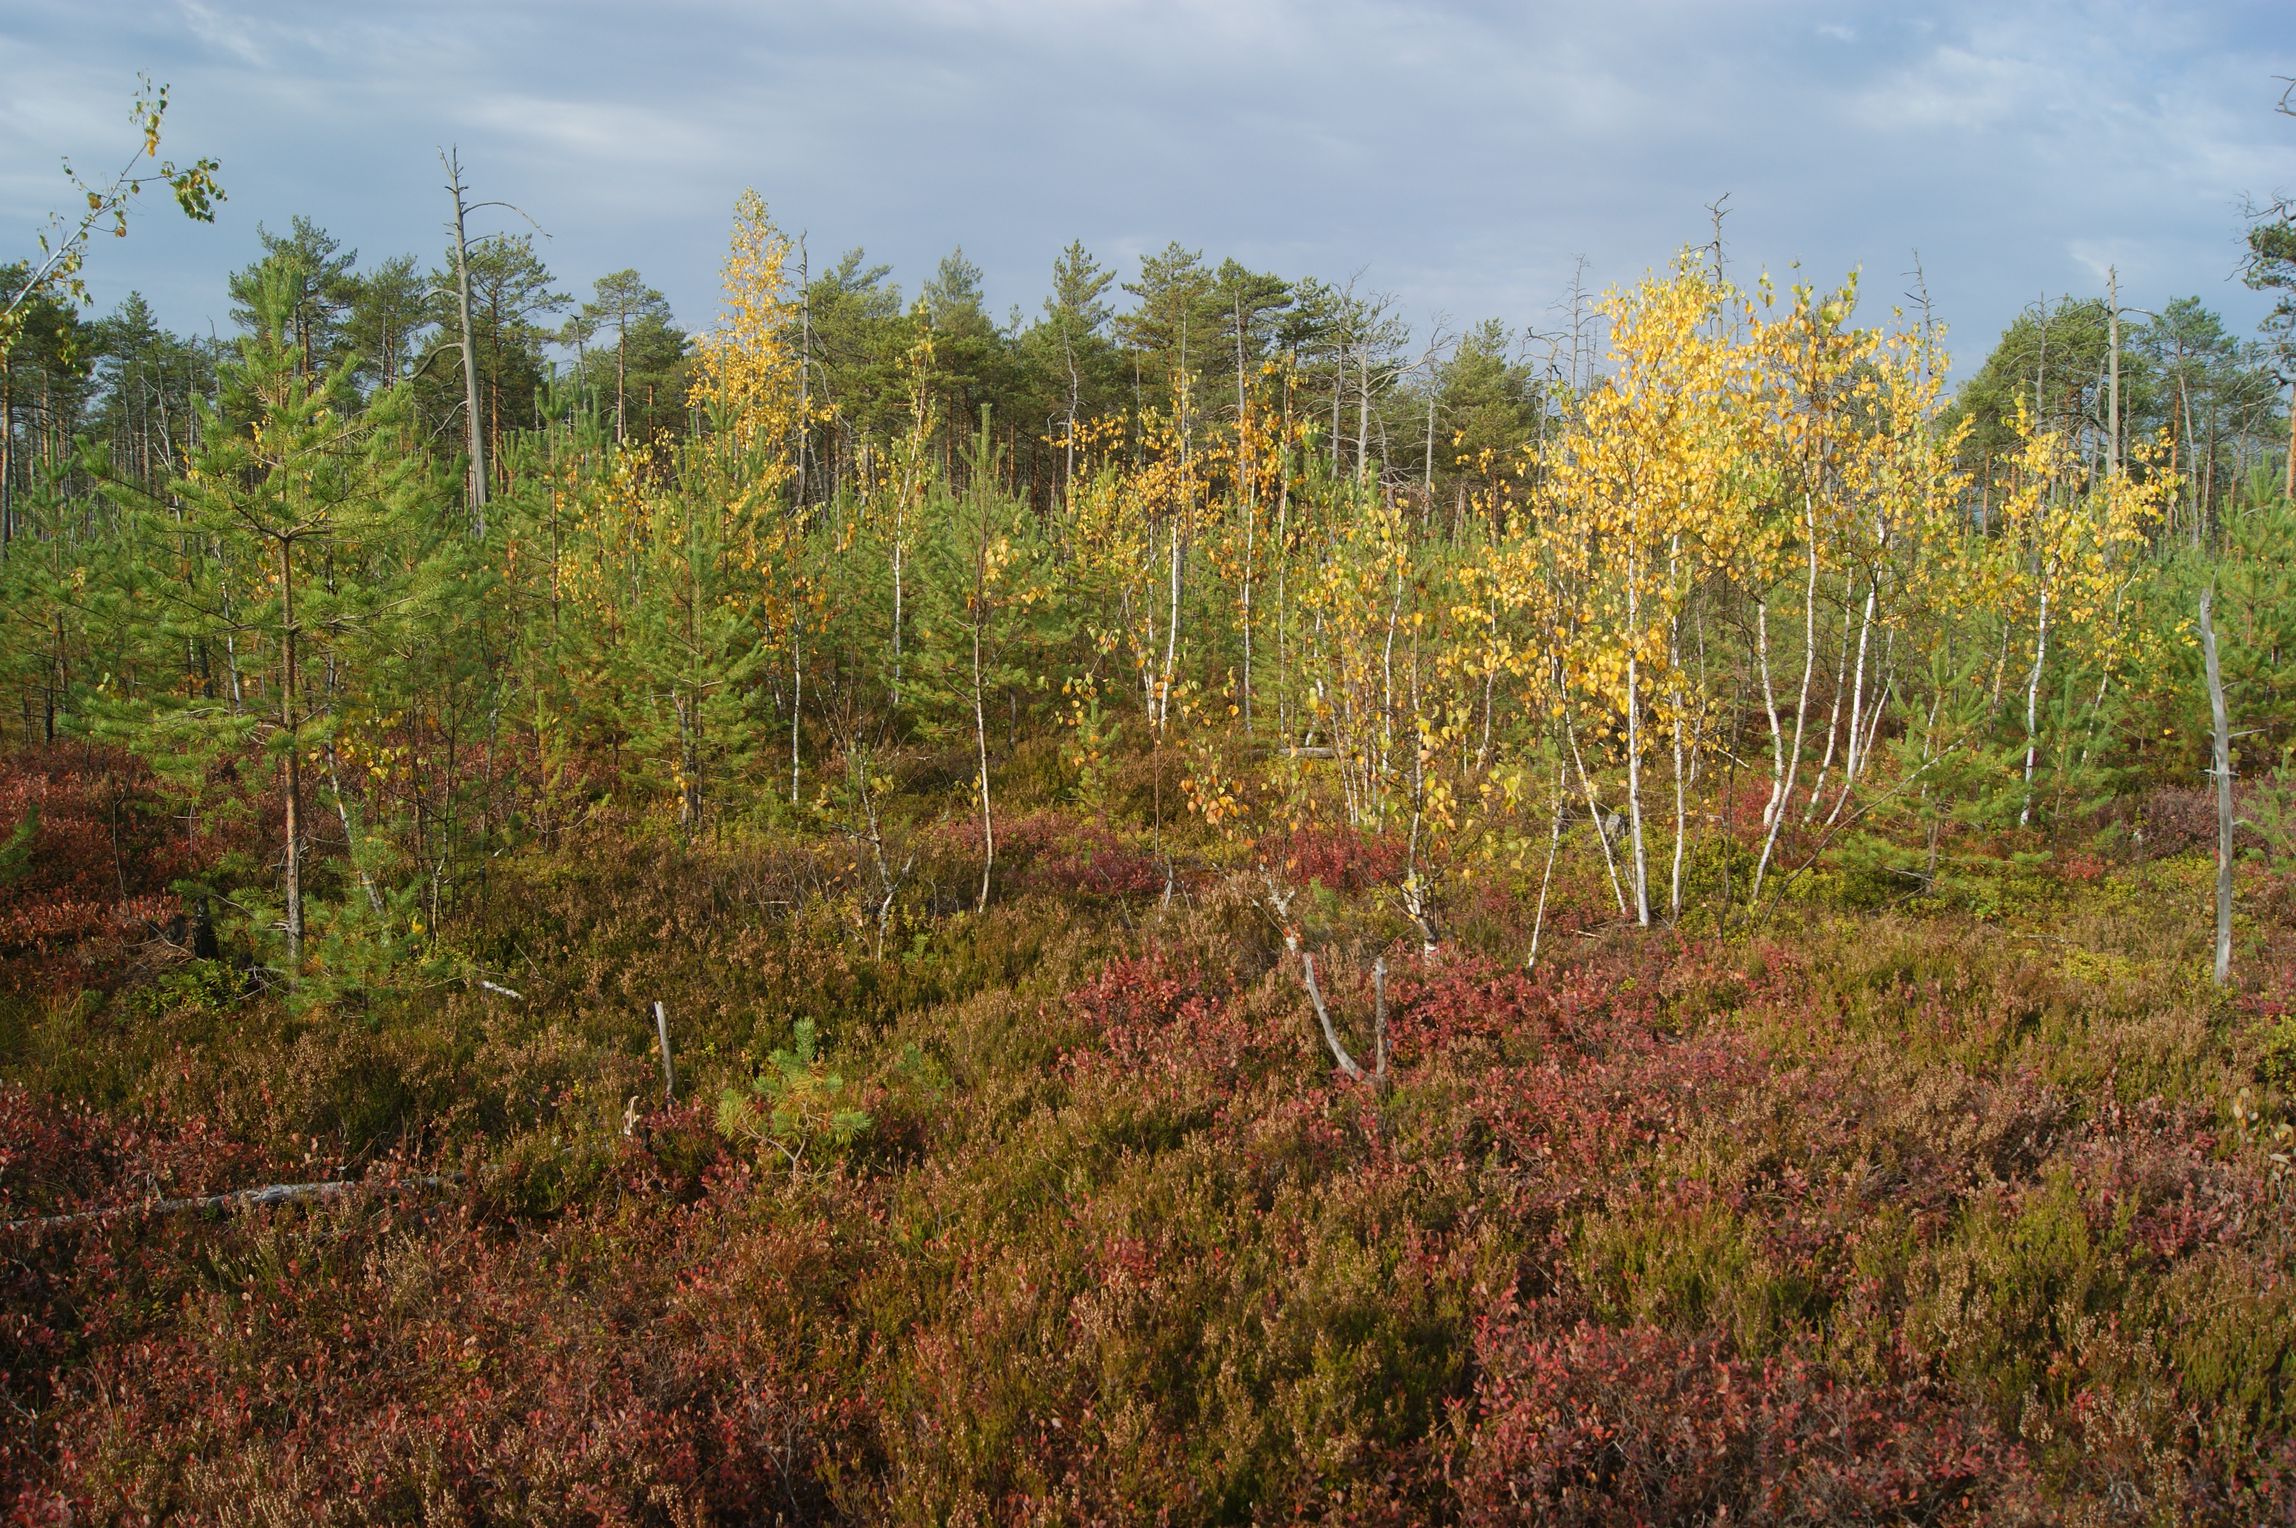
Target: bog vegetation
[(1221, 911)]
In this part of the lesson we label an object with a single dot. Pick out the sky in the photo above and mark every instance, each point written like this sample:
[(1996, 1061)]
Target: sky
[(1462, 157)]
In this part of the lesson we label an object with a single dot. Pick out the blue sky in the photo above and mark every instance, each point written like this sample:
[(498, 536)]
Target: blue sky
[(1459, 156)]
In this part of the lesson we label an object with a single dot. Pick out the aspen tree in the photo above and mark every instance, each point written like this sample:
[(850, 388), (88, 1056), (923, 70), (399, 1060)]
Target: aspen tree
[(1810, 364), (1911, 491), (1130, 530), (64, 247), (2064, 557), (1356, 595), (1642, 474), (747, 377), (692, 551)]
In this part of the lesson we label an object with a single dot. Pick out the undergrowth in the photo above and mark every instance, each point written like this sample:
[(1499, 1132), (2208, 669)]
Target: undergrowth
[(1957, 1209)]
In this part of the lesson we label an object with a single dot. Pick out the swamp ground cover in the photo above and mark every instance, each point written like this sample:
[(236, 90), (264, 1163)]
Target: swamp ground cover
[(1972, 1208)]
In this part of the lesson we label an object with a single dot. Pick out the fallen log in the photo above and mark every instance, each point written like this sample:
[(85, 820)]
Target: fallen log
[(240, 1199)]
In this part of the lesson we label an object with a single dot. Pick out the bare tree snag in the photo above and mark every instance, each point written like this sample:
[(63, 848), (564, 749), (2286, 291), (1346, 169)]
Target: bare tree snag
[(1348, 1065), (474, 430)]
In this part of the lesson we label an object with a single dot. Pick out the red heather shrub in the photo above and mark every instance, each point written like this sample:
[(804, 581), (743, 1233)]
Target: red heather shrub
[(1134, 993), (1456, 1004), (1090, 862), (2178, 818), (1586, 1119), (1166, 1037), (1051, 853), (2274, 993), (1479, 1004), (393, 1361), (58, 1160), (1589, 1425), (1742, 807), (100, 863), (57, 1283), (1339, 859), (675, 1149), (2156, 1173)]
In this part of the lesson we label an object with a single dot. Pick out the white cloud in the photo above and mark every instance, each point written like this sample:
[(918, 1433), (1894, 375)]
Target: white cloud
[(1952, 89), (226, 34)]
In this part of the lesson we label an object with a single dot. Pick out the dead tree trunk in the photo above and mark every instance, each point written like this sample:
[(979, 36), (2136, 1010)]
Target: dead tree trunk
[(1347, 1064), (476, 432)]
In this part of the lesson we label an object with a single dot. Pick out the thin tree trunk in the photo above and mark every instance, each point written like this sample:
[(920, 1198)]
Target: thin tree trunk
[(1680, 708), (1362, 417), (1247, 464), (1339, 1055), (898, 534), (804, 368), (1387, 690), (687, 708), (1283, 566), (2194, 503), (1427, 468), (621, 378), (351, 835), (1594, 813), (797, 696), (1857, 705), (1801, 702), (1554, 845), (7, 454), (2221, 728), (1179, 522), (1634, 745), (2112, 369), (1075, 396), (980, 714), (1770, 710), (294, 755), (1171, 630), (1681, 803), (1834, 716), (2033, 709), (1490, 687)]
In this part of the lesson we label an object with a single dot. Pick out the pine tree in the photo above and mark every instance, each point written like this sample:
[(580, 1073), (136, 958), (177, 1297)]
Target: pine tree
[(286, 553), (635, 320)]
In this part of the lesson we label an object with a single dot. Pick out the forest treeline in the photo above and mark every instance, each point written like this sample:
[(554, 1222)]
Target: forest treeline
[(422, 563)]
